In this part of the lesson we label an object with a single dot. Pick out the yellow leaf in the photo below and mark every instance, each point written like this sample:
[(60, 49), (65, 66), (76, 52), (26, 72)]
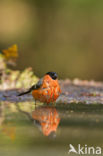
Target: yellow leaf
[(11, 52)]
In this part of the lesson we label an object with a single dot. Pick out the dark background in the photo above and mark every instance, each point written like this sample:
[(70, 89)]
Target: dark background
[(56, 35)]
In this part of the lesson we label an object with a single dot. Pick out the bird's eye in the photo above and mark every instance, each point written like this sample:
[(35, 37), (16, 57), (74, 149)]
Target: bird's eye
[(53, 75)]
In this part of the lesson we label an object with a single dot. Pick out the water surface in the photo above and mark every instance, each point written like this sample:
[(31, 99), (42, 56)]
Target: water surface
[(48, 130)]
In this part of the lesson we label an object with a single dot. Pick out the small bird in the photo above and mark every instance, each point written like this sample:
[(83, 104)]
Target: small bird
[(47, 89)]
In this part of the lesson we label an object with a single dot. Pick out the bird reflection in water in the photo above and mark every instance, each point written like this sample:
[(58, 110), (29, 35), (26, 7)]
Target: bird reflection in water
[(47, 120)]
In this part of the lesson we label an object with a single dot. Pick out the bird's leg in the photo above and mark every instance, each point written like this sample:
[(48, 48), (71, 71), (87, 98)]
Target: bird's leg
[(54, 104), (35, 103), (45, 104)]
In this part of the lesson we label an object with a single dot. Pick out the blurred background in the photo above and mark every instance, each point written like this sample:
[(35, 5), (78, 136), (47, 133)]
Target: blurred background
[(55, 35)]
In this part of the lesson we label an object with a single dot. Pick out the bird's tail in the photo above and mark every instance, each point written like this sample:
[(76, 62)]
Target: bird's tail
[(23, 93), (28, 91), (34, 87)]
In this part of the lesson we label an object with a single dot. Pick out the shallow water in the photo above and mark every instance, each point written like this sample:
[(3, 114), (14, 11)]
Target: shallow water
[(48, 130)]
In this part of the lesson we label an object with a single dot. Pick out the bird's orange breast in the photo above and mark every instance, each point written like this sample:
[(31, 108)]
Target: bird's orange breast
[(49, 90)]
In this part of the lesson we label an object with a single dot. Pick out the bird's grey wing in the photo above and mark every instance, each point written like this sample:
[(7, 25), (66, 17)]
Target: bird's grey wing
[(38, 85), (34, 87)]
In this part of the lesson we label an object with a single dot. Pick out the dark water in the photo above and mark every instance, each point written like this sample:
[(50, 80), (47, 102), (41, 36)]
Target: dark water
[(48, 130)]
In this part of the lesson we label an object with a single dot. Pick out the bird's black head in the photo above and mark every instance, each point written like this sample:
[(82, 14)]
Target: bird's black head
[(53, 75)]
